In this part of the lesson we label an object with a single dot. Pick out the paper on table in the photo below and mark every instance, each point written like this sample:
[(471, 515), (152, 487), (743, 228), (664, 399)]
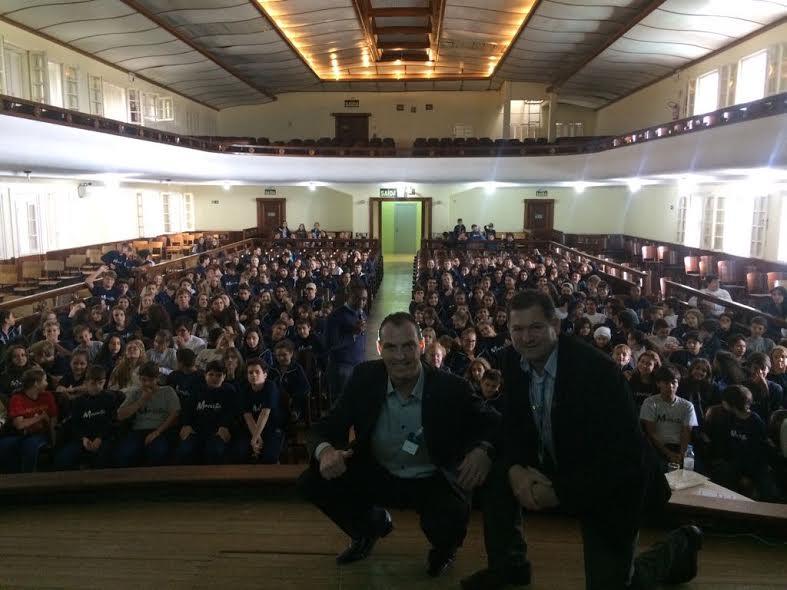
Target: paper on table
[(680, 479)]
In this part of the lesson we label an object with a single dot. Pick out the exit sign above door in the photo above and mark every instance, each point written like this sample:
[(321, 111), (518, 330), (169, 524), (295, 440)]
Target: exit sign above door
[(388, 193)]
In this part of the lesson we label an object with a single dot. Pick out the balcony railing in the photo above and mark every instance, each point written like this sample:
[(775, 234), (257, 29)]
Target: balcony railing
[(766, 107)]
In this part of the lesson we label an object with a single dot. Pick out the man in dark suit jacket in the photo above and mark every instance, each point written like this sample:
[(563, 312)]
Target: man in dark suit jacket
[(422, 440), (572, 440)]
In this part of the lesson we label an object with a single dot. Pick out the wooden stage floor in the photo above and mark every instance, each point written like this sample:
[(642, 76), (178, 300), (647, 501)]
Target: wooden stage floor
[(263, 539)]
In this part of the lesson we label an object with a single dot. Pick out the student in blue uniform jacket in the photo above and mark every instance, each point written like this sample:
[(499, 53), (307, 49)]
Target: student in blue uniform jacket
[(346, 339), (206, 420), (92, 425), (291, 379)]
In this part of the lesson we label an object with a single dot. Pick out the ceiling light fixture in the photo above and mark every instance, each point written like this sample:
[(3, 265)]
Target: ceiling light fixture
[(634, 184), (579, 187)]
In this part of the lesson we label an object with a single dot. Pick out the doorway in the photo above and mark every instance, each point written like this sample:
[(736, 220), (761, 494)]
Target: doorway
[(401, 227), (352, 127), (270, 214), (539, 218)]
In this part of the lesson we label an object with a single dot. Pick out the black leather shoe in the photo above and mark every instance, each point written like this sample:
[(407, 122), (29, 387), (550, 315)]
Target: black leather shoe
[(688, 541), (487, 579), (439, 561), (361, 547)]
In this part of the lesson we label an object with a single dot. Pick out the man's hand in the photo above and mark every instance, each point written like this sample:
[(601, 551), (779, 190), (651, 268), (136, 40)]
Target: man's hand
[(474, 469), (223, 433), (531, 488), (152, 435), (333, 462), (186, 432), (86, 443)]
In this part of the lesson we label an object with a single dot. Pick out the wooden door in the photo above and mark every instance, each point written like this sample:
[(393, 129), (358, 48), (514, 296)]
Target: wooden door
[(539, 217), (270, 214), (353, 127)]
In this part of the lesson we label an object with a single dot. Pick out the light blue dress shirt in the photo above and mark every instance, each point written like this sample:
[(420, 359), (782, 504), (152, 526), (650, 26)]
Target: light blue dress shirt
[(399, 420), (542, 395)]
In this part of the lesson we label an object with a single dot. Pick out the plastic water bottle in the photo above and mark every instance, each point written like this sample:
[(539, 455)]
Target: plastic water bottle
[(688, 460)]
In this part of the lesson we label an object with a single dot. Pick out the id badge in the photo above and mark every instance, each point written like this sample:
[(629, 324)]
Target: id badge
[(410, 447)]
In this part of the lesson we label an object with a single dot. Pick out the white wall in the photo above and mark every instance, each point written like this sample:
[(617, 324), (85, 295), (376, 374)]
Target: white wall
[(64, 220), (237, 208), (62, 55), (650, 106), (308, 115)]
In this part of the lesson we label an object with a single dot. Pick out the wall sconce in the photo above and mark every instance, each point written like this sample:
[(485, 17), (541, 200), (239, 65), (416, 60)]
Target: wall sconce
[(438, 202), (361, 202)]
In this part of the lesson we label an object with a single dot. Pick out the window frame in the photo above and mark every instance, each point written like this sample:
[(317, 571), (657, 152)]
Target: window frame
[(699, 91), (739, 99), (95, 95)]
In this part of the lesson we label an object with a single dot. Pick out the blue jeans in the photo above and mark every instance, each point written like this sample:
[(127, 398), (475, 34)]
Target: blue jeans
[(30, 446), (132, 451), (201, 449), (72, 454)]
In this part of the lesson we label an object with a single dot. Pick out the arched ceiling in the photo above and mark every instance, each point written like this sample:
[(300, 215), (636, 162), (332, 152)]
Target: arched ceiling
[(227, 53)]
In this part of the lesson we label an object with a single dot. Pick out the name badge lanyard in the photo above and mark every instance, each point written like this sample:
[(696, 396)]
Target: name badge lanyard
[(539, 417), (413, 442)]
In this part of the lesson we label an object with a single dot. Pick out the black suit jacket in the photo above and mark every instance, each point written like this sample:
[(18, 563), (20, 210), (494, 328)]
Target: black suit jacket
[(604, 466), (454, 420)]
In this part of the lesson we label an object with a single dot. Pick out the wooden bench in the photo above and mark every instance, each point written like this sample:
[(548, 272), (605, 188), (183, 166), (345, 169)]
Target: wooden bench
[(98, 479)]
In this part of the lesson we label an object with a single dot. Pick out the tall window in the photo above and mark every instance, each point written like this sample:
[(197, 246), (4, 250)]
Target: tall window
[(14, 77), (167, 218), (188, 210), (114, 102), (95, 88), (526, 119), (70, 88), (140, 215), (752, 72), (713, 223), (55, 73), (165, 110), (706, 99), (38, 76), (683, 205), (759, 226), (782, 255), (135, 106), (32, 227)]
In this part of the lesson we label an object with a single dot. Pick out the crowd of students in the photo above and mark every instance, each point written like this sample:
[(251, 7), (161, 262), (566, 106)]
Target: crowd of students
[(215, 366), (697, 375)]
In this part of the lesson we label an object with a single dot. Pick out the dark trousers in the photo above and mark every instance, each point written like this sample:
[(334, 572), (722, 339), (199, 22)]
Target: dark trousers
[(132, 450), (608, 552), (201, 449), (272, 444), (338, 376), (353, 501), (72, 454), (9, 454)]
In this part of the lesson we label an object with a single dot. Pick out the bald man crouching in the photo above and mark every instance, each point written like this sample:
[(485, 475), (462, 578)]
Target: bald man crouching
[(422, 440)]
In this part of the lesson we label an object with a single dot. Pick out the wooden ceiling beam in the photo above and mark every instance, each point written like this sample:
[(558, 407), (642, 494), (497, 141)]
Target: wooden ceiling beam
[(401, 30), (143, 10), (396, 45), (565, 75), (400, 11)]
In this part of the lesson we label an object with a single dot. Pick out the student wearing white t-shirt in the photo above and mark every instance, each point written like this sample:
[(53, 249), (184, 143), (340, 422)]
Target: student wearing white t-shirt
[(667, 418)]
